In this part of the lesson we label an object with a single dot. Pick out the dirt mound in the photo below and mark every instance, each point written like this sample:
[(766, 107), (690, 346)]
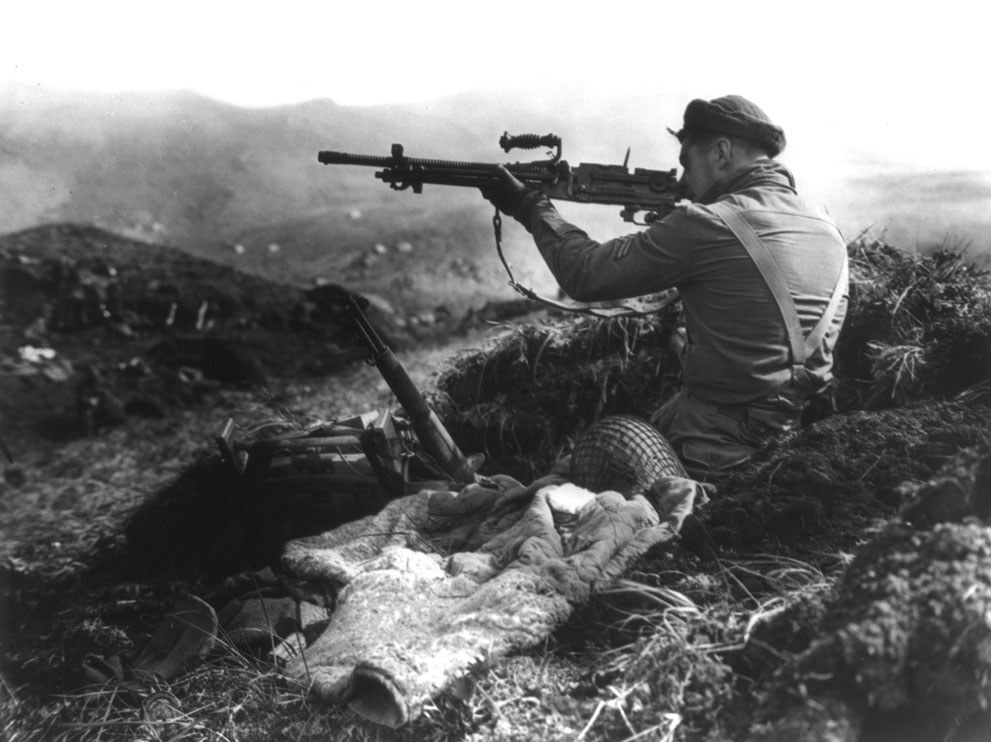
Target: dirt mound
[(916, 326), (904, 648), (95, 327), (821, 489), (524, 398), (76, 268)]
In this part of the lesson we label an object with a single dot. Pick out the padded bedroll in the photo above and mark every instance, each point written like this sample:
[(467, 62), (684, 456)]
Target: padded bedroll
[(442, 582)]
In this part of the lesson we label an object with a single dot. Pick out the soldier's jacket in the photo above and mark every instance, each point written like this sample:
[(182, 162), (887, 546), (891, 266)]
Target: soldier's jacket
[(738, 348)]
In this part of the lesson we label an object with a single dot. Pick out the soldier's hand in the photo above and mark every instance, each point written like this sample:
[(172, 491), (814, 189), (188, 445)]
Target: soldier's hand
[(507, 193)]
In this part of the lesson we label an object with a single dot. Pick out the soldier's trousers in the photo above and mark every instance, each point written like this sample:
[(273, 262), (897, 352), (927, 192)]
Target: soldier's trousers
[(712, 439)]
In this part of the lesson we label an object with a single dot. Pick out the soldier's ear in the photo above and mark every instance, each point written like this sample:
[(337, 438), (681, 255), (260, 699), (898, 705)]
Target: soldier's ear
[(724, 149)]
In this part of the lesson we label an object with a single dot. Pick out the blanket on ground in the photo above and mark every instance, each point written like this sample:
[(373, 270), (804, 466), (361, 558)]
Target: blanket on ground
[(440, 582)]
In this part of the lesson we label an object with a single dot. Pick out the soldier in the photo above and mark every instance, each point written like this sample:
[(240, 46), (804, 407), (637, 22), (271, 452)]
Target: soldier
[(762, 276)]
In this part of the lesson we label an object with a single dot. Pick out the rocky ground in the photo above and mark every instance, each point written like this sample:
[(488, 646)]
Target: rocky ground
[(835, 589)]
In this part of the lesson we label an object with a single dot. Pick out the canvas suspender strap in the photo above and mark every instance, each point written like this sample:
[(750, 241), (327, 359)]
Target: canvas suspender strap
[(815, 337), (801, 347)]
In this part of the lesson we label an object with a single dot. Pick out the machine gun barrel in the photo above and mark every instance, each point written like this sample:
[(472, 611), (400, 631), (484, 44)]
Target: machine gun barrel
[(402, 172), (328, 157)]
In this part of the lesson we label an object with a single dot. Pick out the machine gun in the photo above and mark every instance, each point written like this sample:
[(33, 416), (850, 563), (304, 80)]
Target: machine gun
[(653, 192)]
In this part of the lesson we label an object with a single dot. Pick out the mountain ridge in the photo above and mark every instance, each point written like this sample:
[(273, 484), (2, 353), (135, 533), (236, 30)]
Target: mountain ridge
[(181, 168)]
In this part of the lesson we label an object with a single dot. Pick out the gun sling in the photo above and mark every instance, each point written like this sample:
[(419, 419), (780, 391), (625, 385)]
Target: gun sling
[(634, 306), (801, 347)]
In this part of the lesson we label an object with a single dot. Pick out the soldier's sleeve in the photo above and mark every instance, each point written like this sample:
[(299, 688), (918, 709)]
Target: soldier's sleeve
[(635, 264)]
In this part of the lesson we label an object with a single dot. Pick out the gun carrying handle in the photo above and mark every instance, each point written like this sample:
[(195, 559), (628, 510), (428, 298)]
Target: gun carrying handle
[(530, 141)]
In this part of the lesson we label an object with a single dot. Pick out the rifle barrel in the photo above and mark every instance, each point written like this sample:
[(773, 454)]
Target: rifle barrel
[(433, 436)]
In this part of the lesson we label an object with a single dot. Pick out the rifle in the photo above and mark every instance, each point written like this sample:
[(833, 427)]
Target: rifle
[(654, 192), (434, 438), (334, 458)]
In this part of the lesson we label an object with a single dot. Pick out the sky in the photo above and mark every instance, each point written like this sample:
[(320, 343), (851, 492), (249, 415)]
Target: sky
[(903, 77)]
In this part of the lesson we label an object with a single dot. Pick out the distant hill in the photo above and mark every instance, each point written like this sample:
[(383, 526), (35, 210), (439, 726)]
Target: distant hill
[(178, 168), (183, 168)]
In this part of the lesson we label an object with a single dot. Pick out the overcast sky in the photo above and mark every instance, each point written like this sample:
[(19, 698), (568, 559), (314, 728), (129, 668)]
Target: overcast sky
[(900, 76)]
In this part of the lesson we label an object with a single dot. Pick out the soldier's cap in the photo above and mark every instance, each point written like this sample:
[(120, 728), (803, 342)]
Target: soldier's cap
[(736, 116)]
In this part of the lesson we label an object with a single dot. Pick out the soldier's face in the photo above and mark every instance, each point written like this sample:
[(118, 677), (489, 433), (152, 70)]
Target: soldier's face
[(700, 167)]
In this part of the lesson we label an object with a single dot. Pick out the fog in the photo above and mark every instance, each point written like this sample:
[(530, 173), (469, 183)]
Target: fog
[(890, 79), (869, 94)]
